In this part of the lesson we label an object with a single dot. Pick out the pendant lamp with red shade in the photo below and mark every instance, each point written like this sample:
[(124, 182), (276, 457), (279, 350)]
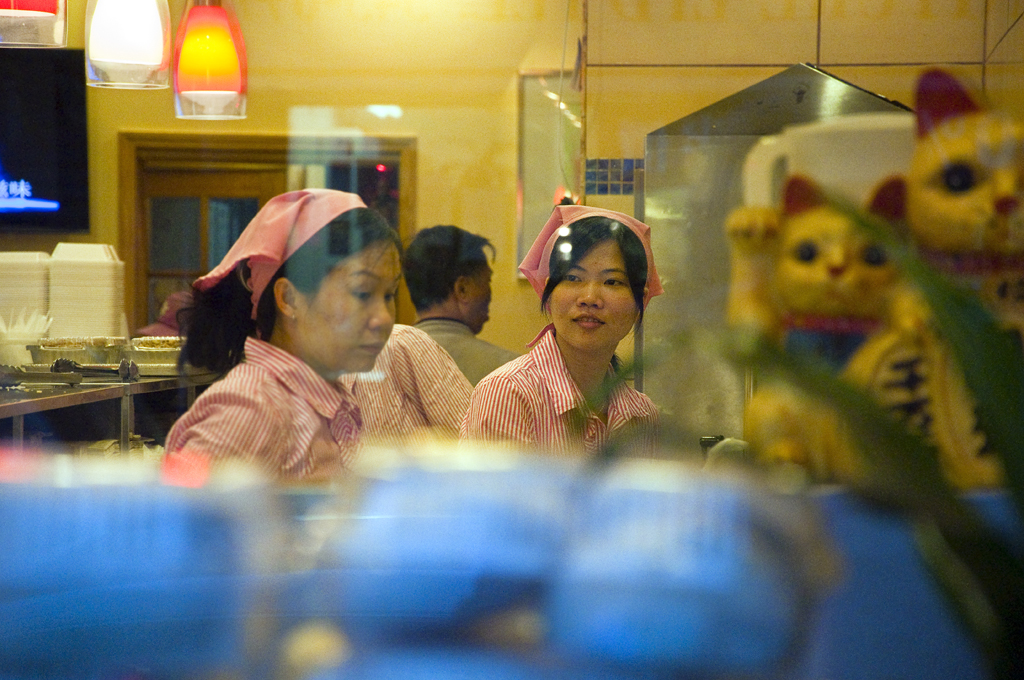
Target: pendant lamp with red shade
[(33, 23), (209, 63)]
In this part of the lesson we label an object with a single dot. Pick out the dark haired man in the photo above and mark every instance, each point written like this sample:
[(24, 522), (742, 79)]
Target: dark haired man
[(448, 273)]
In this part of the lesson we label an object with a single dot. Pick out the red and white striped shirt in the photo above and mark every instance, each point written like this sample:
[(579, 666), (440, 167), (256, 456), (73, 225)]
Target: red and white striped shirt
[(533, 402), (415, 388), (274, 410)]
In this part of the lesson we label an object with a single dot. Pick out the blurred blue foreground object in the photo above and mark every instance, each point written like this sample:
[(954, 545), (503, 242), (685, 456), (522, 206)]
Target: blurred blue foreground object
[(886, 617), (105, 571), (467, 568), (428, 551), (646, 567), (671, 569)]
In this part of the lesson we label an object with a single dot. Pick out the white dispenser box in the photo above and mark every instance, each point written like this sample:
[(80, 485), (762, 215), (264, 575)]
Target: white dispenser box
[(86, 291)]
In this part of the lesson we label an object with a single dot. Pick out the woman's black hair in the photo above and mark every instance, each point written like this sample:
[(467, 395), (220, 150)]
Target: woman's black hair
[(583, 235), (220, 320)]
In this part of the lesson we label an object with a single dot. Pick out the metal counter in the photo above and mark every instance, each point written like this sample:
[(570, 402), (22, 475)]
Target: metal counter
[(15, 403)]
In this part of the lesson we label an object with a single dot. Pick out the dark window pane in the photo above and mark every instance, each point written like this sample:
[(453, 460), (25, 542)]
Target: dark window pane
[(174, 234), (228, 218)]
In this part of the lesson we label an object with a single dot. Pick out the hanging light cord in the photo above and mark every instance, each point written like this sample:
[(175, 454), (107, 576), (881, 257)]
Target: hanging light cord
[(558, 110)]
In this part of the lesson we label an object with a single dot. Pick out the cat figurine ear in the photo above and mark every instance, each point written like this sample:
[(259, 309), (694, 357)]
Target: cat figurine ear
[(800, 195), (890, 200), (940, 97)]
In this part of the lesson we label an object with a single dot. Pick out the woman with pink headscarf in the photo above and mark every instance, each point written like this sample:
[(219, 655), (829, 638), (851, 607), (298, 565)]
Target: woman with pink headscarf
[(595, 274), (306, 294)]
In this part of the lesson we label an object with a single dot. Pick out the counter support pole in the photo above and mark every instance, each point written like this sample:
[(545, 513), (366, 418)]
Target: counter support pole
[(18, 431), (126, 420)]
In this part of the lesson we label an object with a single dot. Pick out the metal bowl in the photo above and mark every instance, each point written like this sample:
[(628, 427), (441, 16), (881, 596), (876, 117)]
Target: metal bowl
[(144, 356), (47, 355), (95, 350), (155, 350)]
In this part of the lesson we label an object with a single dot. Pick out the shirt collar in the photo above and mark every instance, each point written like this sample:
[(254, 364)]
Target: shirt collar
[(297, 376), (447, 322), (623, 403), (565, 394)]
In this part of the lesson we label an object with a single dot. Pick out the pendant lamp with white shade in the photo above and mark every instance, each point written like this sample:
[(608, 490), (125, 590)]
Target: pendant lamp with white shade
[(209, 63), (33, 23), (127, 43)]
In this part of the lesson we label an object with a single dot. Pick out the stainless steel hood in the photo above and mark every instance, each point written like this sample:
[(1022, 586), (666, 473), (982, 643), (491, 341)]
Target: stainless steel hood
[(691, 182)]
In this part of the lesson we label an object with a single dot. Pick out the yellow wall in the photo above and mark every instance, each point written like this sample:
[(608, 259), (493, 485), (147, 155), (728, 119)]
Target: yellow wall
[(652, 62), (452, 68)]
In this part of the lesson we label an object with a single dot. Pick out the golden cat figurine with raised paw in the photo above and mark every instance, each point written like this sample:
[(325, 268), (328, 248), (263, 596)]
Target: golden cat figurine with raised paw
[(806, 276)]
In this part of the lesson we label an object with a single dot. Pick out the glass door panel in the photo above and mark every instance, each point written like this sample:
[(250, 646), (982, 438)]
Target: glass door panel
[(175, 234), (228, 217), (193, 219)]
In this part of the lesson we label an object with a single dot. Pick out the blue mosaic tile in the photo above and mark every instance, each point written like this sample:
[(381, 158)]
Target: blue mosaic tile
[(612, 176)]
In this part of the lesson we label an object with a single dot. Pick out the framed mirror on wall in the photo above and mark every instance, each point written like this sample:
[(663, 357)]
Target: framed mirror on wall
[(550, 149)]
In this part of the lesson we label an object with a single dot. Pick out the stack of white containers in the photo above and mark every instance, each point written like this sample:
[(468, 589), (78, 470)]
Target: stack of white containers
[(86, 291), (24, 278)]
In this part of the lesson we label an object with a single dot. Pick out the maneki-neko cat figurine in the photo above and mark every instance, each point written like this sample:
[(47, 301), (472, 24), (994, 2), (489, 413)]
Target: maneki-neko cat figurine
[(964, 191), (805, 275), (964, 213)]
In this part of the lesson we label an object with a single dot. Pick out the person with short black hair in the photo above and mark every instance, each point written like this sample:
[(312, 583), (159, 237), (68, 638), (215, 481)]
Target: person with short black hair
[(448, 272)]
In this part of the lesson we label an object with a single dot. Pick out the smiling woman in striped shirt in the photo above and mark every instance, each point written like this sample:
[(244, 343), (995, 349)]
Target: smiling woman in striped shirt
[(306, 294), (595, 274)]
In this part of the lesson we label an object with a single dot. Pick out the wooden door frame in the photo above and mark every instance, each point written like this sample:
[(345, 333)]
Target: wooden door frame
[(140, 151)]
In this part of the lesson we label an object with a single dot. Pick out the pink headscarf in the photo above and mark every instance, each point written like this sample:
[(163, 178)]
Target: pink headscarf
[(535, 264), (278, 230)]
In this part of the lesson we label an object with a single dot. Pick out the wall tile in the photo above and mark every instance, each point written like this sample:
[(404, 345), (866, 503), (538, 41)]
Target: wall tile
[(622, 204), (1005, 73), (902, 31), (699, 32), (398, 37), (997, 21), (1010, 49), (1003, 88), (625, 104)]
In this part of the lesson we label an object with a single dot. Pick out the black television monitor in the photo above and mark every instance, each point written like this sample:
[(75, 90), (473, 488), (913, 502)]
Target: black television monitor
[(44, 176)]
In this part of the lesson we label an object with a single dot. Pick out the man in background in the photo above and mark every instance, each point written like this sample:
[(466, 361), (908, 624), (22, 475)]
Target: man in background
[(449, 277)]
